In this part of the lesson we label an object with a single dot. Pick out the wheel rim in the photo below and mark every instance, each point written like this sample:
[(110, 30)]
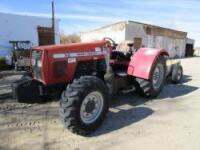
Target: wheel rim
[(179, 74), (158, 76), (91, 107)]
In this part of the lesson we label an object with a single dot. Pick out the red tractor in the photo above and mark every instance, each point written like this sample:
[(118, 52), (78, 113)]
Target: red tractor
[(88, 74)]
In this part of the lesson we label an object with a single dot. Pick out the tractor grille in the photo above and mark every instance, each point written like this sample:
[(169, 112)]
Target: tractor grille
[(37, 64), (59, 69)]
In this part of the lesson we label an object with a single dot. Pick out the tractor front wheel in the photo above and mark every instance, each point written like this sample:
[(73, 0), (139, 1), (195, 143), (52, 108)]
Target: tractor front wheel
[(84, 104)]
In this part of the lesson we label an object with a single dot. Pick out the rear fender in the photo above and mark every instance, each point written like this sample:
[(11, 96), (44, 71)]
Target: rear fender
[(142, 62)]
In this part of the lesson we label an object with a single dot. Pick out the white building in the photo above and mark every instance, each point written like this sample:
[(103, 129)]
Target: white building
[(142, 35), (37, 30)]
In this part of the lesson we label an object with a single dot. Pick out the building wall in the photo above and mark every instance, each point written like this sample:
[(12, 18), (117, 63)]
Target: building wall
[(190, 41), (115, 32), (18, 27), (172, 41)]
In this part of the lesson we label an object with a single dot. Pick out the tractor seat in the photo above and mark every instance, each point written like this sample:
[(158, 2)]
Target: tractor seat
[(118, 55)]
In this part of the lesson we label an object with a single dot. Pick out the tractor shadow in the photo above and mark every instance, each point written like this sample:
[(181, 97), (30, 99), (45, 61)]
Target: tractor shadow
[(171, 90), (124, 111), (127, 109), (185, 79)]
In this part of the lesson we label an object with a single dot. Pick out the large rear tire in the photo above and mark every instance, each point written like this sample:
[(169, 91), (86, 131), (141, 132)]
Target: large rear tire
[(152, 87), (84, 104)]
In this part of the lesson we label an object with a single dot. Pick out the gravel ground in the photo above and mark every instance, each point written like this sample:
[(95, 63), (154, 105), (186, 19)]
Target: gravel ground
[(171, 121)]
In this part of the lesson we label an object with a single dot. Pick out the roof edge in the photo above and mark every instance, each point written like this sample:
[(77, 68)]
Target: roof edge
[(130, 21), (105, 26), (137, 22), (27, 15)]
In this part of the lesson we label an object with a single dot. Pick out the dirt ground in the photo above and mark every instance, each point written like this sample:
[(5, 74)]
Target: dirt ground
[(172, 121)]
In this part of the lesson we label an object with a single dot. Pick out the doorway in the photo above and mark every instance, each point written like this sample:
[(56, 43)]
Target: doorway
[(189, 50), (137, 42)]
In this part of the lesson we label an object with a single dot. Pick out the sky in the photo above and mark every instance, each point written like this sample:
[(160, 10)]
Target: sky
[(83, 15)]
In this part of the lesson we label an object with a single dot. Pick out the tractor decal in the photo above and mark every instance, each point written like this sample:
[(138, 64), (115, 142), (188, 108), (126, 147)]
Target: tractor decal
[(79, 54)]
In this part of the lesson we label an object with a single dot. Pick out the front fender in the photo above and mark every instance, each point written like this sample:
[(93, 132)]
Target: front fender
[(142, 62)]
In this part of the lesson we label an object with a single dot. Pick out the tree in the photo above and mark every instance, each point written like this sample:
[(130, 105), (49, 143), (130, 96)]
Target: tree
[(72, 38)]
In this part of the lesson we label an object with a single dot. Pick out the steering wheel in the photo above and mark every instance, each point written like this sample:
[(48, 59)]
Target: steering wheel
[(113, 44)]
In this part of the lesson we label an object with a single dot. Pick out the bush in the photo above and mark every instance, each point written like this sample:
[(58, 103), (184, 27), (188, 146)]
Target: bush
[(3, 65), (73, 38)]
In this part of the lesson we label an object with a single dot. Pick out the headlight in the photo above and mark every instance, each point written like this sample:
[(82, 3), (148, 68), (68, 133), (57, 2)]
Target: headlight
[(39, 63)]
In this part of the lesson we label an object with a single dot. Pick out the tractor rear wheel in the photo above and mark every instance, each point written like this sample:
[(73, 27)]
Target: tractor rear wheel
[(177, 74), (84, 104), (152, 87)]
